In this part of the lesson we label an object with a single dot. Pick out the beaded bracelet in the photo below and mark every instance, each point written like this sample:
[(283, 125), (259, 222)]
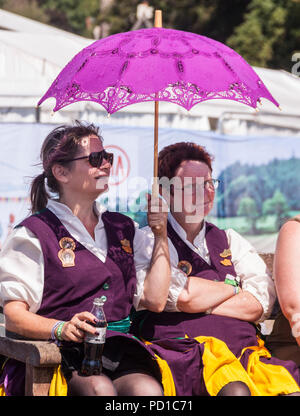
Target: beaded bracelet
[(59, 330), (54, 329)]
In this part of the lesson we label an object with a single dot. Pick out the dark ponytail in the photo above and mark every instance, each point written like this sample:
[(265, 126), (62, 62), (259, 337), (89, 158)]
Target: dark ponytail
[(38, 194)]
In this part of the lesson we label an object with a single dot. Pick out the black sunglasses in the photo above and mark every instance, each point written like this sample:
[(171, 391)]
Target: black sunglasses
[(95, 158)]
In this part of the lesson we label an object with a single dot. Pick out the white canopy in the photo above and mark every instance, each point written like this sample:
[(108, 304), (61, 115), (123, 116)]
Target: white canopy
[(31, 56)]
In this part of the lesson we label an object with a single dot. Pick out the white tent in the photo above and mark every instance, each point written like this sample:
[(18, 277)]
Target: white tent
[(32, 54)]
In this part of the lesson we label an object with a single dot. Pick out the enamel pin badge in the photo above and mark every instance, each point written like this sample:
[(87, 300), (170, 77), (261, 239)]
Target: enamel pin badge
[(224, 254), (66, 254), (185, 266), (126, 246)]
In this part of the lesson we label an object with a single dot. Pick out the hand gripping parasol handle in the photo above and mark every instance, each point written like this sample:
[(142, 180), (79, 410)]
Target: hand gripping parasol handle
[(157, 23)]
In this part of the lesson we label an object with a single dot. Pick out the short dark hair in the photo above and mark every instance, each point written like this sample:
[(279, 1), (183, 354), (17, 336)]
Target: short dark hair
[(170, 157)]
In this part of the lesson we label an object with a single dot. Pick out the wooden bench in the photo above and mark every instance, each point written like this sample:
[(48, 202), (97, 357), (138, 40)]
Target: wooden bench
[(41, 357)]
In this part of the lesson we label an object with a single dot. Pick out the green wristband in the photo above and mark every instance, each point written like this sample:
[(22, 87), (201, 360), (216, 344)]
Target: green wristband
[(59, 330), (230, 282)]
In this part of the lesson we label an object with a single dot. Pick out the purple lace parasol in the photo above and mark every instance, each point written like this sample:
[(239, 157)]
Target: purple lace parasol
[(156, 64)]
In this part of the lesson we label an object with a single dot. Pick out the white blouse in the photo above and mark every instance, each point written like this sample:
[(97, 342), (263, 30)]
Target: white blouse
[(249, 266), (22, 261)]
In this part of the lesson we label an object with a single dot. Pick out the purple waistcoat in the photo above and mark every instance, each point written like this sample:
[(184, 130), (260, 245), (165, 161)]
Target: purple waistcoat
[(216, 241), (236, 333), (69, 290)]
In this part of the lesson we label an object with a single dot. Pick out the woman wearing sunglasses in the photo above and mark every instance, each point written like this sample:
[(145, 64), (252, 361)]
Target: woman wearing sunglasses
[(207, 332), (71, 251)]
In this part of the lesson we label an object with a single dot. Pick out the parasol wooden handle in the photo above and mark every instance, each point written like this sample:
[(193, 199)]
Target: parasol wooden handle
[(157, 23), (158, 18)]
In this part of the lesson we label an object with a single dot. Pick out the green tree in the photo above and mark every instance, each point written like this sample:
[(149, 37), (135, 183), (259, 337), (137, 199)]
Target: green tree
[(277, 205), (247, 183), (259, 183), (289, 43), (71, 15), (198, 16), (265, 33), (234, 192), (247, 208), (27, 8), (263, 27)]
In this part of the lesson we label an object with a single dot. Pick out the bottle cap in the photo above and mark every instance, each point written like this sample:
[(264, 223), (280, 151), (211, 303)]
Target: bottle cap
[(99, 301)]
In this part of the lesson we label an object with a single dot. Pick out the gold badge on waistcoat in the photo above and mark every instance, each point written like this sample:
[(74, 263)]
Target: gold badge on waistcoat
[(226, 262), (226, 253), (126, 246), (66, 255), (185, 267)]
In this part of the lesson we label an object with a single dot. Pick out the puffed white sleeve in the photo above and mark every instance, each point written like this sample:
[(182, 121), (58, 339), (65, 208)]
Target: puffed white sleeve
[(143, 247), (178, 282), (22, 269), (253, 272)]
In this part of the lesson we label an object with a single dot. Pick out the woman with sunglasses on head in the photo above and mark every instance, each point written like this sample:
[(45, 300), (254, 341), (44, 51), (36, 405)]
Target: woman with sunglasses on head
[(220, 290), (71, 251)]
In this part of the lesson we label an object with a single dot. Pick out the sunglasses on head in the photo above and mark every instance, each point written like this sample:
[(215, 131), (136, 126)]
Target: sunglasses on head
[(96, 158)]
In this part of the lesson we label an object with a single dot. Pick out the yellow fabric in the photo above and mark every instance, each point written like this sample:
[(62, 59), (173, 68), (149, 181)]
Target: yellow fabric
[(221, 366), (2, 391), (166, 375), (270, 379), (167, 378), (58, 386)]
